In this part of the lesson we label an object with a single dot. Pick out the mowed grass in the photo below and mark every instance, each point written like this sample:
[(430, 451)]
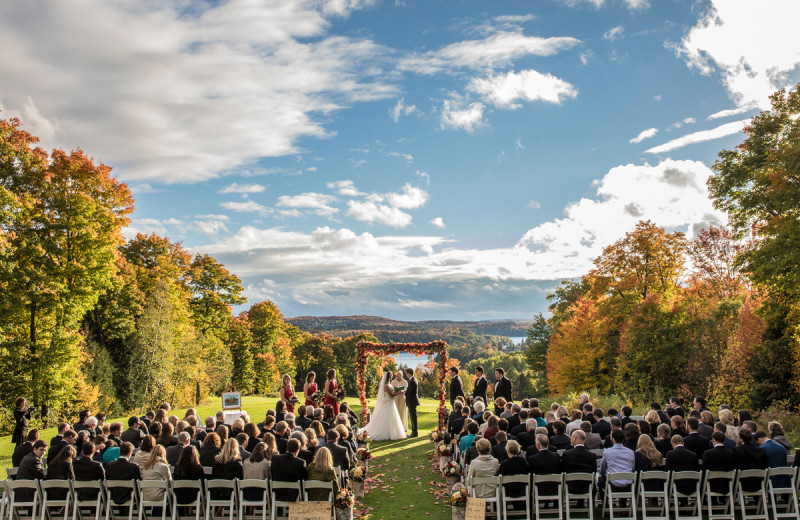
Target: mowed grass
[(399, 475)]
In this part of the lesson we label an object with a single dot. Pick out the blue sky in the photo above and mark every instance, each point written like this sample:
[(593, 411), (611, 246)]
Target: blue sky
[(411, 159)]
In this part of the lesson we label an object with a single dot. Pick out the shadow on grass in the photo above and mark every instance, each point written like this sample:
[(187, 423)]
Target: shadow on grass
[(398, 445)]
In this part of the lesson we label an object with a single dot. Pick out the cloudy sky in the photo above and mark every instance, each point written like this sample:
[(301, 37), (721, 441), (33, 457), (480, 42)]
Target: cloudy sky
[(415, 159)]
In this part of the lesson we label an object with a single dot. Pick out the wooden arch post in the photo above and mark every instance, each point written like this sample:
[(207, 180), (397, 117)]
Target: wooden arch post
[(367, 348)]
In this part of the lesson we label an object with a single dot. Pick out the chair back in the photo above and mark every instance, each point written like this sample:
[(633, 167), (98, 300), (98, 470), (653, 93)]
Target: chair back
[(318, 484), (12, 473)]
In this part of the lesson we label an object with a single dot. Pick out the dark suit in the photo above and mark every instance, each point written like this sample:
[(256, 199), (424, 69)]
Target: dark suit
[(174, 453), (134, 436), (526, 439), (513, 421), (545, 463), (751, 457), (579, 460), (456, 389), (514, 466), (719, 458), (683, 459), (19, 453), (55, 450), (282, 443), (86, 469), (602, 428), (479, 390), (30, 468), (776, 458), (705, 430), (457, 425), (303, 422), (696, 443), (61, 470), (226, 471), (287, 468), (122, 469), (499, 452), (561, 441), (502, 388), (412, 402), (339, 455)]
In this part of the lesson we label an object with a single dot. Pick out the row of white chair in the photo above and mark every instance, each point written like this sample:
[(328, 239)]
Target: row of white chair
[(44, 507), (655, 495)]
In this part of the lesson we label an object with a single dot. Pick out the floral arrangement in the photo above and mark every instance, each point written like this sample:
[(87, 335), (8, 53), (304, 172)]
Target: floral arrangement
[(453, 469), (363, 454), (459, 496), (363, 437), (446, 449), (318, 396), (294, 399), (357, 474), (344, 499), (339, 394), (438, 435)]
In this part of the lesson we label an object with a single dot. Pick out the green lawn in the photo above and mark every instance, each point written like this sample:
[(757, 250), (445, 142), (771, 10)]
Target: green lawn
[(401, 483)]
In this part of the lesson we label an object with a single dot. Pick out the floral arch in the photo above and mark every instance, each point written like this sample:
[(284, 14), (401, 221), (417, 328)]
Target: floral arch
[(367, 348)]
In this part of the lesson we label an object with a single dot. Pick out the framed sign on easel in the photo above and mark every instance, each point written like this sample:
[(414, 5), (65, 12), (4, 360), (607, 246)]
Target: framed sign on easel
[(231, 400)]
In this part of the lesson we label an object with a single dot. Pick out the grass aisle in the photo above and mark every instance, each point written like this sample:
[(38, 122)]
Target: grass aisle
[(400, 482)]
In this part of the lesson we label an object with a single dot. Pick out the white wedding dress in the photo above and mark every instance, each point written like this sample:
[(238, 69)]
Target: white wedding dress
[(385, 423)]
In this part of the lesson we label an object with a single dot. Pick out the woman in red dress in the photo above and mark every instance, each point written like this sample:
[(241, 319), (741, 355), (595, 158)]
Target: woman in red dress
[(309, 388), (287, 392), (330, 387)]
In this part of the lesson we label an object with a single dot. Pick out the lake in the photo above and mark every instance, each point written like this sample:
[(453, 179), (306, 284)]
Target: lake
[(410, 360)]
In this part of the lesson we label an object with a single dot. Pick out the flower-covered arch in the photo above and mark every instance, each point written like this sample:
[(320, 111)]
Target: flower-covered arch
[(368, 348)]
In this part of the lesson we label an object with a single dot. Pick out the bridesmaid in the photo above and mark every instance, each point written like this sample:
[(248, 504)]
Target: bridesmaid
[(287, 392), (330, 387), (309, 388)]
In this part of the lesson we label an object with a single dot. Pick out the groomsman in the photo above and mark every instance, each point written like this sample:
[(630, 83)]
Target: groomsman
[(502, 385), (456, 388), (412, 401), (481, 384)]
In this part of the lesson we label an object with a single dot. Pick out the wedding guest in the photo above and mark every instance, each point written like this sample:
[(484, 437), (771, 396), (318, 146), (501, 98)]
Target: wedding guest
[(268, 425), (70, 439), (631, 431), (499, 449), (681, 459), (319, 429), (616, 424), (726, 418), (646, 456), (578, 460), (694, 441), (188, 468), (339, 454), (282, 436), (256, 467), (777, 435), (484, 466), (503, 406), (31, 469), (527, 438), (617, 459), (502, 385), (678, 426), (121, 469), (545, 462), (706, 426), (174, 452), (271, 449), (345, 408), (167, 438), (481, 384), (653, 419), (593, 440), (626, 415), (601, 427), (491, 427), (80, 426), (253, 436), (330, 387), (742, 417), (513, 465), (61, 469), (210, 449), (719, 427), (677, 404), (141, 457), (87, 469), (288, 468), (478, 408), (237, 427), (223, 432), (466, 440), (287, 393), (321, 468), (227, 466), (22, 414), (301, 420), (456, 387), (514, 419), (576, 418), (61, 428), (311, 440), (699, 404), (484, 421), (156, 468), (309, 388), (749, 456), (776, 457), (560, 439), (328, 416), (23, 449), (304, 454)]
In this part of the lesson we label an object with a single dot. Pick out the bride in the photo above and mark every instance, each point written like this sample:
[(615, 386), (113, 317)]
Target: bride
[(385, 424)]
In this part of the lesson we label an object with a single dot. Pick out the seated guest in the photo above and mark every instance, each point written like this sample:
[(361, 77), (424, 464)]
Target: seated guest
[(593, 440), (61, 469), (749, 456), (560, 440), (776, 457), (484, 466), (578, 460), (301, 420), (111, 451), (472, 452), (115, 433), (706, 426), (320, 430), (575, 420), (499, 449), (726, 418), (678, 426), (141, 457), (242, 439), (328, 415), (174, 452), (616, 424), (237, 427), (644, 428), (777, 435), (458, 423), (188, 468), (720, 427), (664, 443), (304, 454), (339, 454), (682, 459), (23, 449), (694, 441), (62, 428), (87, 469), (545, 462), (268, 425), (626, 415), (588, 414), (288, 467), (122, 469), (513, 465), (617, 459), (281, 435), (311, 441), (479, 408), (30, 468), (514, 419), (256, 467), (646, 456), (156, 468), (321, 468), (345, 408), (70, 439), (224, 432), (491, 427), (346, 439), (466, 440), (210, 449), (601, 427), (719, 458), (662, 417), (253, 436), (227, 466)]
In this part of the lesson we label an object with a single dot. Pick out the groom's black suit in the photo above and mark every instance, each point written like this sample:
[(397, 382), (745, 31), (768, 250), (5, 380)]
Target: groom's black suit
[(412, 401)]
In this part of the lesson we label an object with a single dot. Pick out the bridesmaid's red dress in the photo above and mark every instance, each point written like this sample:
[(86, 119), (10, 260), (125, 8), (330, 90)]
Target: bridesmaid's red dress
[(330, 400)]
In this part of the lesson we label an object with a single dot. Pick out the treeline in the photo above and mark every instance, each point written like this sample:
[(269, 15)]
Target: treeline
[(717, 316)]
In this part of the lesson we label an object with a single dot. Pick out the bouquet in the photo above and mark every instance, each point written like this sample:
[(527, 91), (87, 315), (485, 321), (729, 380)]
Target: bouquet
[(459, 496), (357, 474), (446, 449), (363, 437), (344, 499), (318, 396), (339, 394), (363, 454), (453, 469), (294, 399)]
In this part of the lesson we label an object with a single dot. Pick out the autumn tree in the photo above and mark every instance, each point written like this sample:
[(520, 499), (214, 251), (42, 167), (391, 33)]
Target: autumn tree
[(214, 291)]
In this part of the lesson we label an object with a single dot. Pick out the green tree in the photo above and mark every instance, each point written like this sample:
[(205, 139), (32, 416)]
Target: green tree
[(214, 291), (536, 355), (239, 341)]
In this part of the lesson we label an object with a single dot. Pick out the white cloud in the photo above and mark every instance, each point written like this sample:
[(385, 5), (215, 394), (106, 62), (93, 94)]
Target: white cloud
[(242, 188), (410, 198), (503, 90), (318, 202), (345, 187), (212, 216), (657, 97), (407, 156), (752, 45), (518, 146), (637, 5), (730, 112), (534, 204), (424, 176), (246, 207), (401, 109), (614, 33), (172, 82), (454, 116), (586, 56), (497, 50), (573, 3), (644, 134), (438, 222), (373, 212), (210, 227), (698, 137)]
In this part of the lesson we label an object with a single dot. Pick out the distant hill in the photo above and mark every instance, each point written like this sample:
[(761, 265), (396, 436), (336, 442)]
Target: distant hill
[(387, 329)]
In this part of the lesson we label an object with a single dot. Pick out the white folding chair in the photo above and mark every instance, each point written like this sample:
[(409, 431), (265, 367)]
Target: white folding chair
[(524, 498), (89, 489), (573, 511), (725, 511), (263, 503), (752, 504), (318, 484), (12, 473), (161, 489), (130, 505), (220, 502), (694, 500), (620, 494), (3, 499), (492, 501), (788, 493), (13, 487), (48, 488), (277, 485), (541, 497), (197, 503), (657, 494)]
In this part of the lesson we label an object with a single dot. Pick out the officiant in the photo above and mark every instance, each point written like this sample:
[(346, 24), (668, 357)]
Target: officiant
[(400, 385)]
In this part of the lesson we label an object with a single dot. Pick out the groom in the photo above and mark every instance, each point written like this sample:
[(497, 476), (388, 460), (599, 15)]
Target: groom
[(412, 401)]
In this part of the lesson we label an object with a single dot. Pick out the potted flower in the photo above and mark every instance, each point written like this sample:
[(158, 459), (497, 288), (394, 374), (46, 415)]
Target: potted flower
[(343, 504), (458, 500), (445, 451), (363, 437), (357, 475), (437, 435), (452, 472), (362, 456)]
